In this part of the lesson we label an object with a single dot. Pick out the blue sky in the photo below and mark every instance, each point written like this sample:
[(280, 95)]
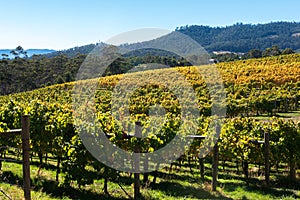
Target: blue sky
[(62, 24)]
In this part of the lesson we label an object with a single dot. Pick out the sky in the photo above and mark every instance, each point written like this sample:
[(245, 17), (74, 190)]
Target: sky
[(62, 24)]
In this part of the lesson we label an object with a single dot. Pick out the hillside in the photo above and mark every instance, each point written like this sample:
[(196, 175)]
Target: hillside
[(62, 66), (244, 37), (274, 77), (235, 38), (72, 52)]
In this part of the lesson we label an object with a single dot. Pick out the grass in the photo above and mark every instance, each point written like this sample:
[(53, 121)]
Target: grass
[(293, 115), (239, 189), (178, 184)]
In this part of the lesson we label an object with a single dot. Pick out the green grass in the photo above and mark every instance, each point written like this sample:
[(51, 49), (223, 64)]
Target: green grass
[(238, 189), (293, 115), (178, 184), (11, 182)]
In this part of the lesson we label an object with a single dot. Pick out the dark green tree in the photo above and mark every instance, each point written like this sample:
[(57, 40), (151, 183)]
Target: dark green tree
[(19, 52), (255, 53), (273, 51), (287, 51)]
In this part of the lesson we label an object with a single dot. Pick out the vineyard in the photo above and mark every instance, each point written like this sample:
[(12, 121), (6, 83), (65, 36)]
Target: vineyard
[(267, 87)]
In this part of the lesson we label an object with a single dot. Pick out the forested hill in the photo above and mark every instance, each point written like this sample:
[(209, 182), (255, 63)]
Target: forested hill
[(244, 37), (72, 52), (236, 38)]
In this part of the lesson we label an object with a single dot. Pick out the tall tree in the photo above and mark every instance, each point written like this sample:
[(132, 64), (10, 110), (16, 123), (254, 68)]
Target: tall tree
[(19, 52), (273, 51), (255, 53)]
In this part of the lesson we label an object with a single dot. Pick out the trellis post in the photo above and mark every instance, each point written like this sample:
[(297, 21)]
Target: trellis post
[(267, 158), (26, 155)]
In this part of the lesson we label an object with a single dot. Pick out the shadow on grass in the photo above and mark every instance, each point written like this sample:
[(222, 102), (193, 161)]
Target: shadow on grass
[(47, 166), (256, 186), (182, 175), (174, 189), (53, 189), (180, 191), (285, 182), (280, 181)]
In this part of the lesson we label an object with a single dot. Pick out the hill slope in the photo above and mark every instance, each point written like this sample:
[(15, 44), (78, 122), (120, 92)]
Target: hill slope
[(244, 37), (236, 38), (253, 86)]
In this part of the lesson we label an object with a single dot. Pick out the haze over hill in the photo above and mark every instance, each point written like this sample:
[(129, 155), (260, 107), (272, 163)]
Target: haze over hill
[(30, 52)]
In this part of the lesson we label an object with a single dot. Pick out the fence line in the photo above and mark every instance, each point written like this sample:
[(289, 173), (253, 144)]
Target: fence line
[(25, 152)]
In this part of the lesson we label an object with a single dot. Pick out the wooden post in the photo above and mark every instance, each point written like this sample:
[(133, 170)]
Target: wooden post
[(267, 158), (215, 160), (26, 155), (215, 167), (201, 166), (137, 182), (146, 166)]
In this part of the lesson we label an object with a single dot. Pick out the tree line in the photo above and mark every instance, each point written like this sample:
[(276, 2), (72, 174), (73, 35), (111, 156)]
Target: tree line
[(244, 37), (23, 74), (253, 53)]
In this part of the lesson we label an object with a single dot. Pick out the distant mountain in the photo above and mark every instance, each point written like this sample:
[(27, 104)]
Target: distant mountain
[(72, 52), (235, 38), (244, 37), (30, 52)]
